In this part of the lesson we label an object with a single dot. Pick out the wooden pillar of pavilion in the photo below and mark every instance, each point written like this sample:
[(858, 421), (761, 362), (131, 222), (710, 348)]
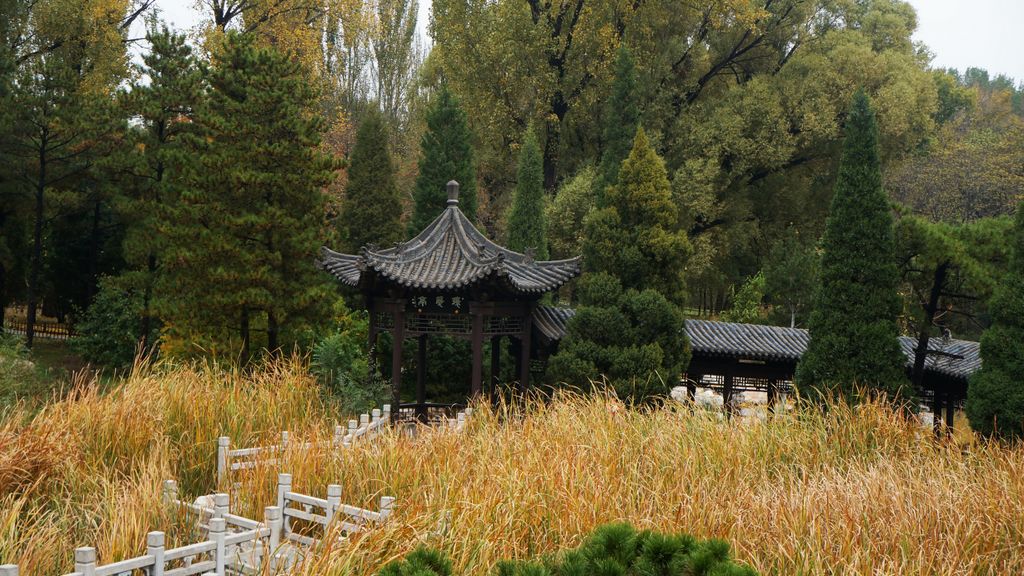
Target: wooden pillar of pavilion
[(477, 340), (727, 396), (937, 412), (372, 344), (495, 364), (524, 352), (421, 378), (398, 334), (950, 409), (773, 392), (513, 351)]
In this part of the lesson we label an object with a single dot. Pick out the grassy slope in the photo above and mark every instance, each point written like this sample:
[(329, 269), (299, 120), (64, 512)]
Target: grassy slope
[(856, 491)]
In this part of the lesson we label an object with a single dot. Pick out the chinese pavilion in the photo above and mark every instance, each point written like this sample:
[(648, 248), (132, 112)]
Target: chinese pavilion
[(451, 279)]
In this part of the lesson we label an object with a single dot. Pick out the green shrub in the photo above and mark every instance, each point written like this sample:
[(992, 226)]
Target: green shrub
[(421, 562), (342, 363), (633, 338), (612, 550), (19, 377), (748, 302), (110, 331)]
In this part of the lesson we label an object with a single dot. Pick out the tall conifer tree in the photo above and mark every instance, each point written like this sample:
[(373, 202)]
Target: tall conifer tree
[(854, 334), (372, 211), (629, 325), (527, 228), (446, 153), (621, 119), (635, 234), (995, 398), (153, 162), (242, 242)]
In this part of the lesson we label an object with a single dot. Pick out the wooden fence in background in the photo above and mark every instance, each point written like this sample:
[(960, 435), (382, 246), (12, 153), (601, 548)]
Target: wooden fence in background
[(51, 330)]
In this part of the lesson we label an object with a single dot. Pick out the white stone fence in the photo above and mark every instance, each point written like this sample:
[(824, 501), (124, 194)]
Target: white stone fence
[(322, 512), (229, 460), (237, 545)]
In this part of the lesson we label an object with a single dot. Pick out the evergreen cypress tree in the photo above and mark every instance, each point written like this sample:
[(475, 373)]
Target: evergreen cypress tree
[(854, 335), (242, 240), (629, 324), (636, 234), (372, 210), (995, 398), (621, 119), (446, 154), (527, 228)]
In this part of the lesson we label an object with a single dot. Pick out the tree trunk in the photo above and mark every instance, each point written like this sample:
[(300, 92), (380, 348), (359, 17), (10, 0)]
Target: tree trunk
[(272, 334), (3, 297), (147, 299), (553, 140), (244, 332), (94, 252), (924, 334), (37, 251)]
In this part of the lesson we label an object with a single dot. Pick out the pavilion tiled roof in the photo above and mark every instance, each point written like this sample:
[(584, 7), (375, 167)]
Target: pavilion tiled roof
[(448, 255), (954, 358)]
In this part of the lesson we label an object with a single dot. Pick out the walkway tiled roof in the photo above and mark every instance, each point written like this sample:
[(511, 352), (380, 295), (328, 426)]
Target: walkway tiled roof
[(552, 320), (751, 341), (450, 254), (955, 358)]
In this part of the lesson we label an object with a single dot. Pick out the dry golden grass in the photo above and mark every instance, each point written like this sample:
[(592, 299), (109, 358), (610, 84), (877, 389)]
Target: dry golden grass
[(851, 491)]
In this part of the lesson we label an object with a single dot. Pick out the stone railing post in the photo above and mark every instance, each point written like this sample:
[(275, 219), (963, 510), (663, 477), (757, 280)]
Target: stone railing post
[(223, 464), (155, 548), (272, 518), (217, 527), (85, 561), (387, 506), (170, 492), (221, 504), (352, 427), (339, 435), (284, 484), (333, 501)]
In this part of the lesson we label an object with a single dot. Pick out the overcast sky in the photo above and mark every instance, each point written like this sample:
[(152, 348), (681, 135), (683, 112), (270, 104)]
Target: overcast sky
[(983, 33), (960, 33)]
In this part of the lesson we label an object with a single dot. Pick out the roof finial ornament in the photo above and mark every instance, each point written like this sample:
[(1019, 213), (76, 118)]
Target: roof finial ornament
[(453, 193)]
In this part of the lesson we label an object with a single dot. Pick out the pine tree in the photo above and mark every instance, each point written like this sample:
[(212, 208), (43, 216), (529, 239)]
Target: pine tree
[(446, 154), (629, 325), (621, 119), (527, 228), (59, 125), (854, 335), (12, 202), (151, 165), (995, 398), (372, 209), (242, 240)]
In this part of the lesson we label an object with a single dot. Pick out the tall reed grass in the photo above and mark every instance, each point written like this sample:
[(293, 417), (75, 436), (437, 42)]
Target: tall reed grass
[(850, 490)]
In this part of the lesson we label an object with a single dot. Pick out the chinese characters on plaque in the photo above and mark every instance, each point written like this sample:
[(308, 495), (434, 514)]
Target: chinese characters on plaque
[(444, 303)]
